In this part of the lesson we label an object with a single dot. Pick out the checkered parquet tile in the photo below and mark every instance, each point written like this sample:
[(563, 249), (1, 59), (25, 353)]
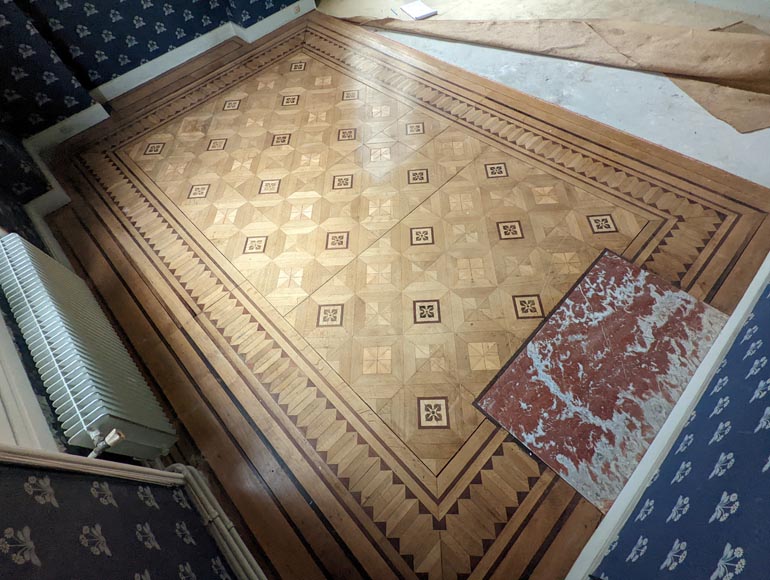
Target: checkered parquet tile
[(325, 245), (354, 213)]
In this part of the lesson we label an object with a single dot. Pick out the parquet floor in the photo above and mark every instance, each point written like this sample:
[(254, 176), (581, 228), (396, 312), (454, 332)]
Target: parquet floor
[(325, 245)]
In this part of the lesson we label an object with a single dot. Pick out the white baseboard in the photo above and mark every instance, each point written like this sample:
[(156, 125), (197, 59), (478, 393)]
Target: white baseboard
[(67, 128), (22, 423), (613, 521), (274, 21), (164, 63)]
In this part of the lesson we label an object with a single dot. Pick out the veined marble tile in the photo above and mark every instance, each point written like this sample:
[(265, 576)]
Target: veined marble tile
[(594, 384)]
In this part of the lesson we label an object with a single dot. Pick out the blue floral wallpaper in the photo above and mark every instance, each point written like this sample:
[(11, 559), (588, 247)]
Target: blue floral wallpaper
[(705, 513), (36, 89), (248, 12), (106, 39), (22, 180), (55, 51), (56, 525)]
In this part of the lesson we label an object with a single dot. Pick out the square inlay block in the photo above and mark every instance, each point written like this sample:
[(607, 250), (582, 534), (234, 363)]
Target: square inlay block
[(379, 154), (290, 277), (421, 236), (350, 95), (377, 360), (471, 269), (270, 186), (154, 148), (255, 245), (232, 105), (528, 306), (342, 182), (380, 111), (379, 273), (330, 314), (346, 135), (602, 224), (415, 128), (414, 176), (199, 191), (432, 413), (282, 139), (509, 230), (297, 66), (217, 145), (290, 100), (483, 356), (496, 170), (426, 311), (337, 240)]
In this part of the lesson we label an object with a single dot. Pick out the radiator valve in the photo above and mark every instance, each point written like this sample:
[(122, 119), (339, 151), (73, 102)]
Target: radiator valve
[(112, 438)]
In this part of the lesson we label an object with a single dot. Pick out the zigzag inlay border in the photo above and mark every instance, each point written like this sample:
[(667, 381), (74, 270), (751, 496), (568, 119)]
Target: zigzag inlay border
[(272, 366)]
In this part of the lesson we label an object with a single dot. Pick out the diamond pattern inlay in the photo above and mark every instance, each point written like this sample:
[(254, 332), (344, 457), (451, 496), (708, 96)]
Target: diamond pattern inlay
[(154, 149), (509, 230), (421, 236), (330, 315), (337, 240), (217, 145), (255, 245), (528, 306), (602, 224), (426, 311), (433, 413), (199, 191), (281, 139), (269, 186), (496, 170)]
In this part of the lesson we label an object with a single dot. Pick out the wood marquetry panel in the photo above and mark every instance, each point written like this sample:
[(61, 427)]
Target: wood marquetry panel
[(325, 248)]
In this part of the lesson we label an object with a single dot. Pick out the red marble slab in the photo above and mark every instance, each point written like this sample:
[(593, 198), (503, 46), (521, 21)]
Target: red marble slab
[(594, 383)]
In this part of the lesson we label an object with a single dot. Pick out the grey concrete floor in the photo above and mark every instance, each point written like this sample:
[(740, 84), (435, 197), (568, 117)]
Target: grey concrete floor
[(645, 105)]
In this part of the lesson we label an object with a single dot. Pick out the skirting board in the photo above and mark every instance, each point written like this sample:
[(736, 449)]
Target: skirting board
[(174, 58), (274, 21), (21, 420), (608, 529)]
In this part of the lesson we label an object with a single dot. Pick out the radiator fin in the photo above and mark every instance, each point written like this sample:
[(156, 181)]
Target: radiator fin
[(92, 381)]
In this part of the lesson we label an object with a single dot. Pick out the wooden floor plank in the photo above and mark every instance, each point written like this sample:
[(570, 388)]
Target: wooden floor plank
[(324, 245)]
